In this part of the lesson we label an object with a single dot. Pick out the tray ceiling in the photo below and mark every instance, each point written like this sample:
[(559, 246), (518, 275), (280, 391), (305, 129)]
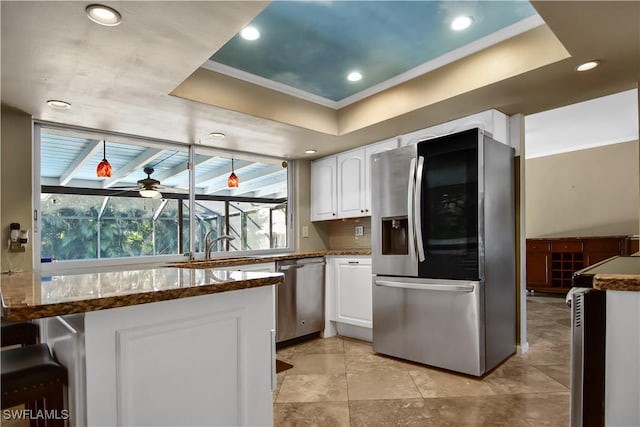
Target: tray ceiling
[(308, 48)]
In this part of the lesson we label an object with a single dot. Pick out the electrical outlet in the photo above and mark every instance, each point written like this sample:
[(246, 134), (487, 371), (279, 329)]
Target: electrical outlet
[(359, 230), (305, 231)]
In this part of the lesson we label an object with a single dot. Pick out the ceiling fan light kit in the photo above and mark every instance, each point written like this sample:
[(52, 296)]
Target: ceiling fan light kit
[(149, 193), (104, 169)]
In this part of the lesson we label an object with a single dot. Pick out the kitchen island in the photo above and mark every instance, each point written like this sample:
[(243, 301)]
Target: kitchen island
[(622, 381), (157, 346), (619, 277)]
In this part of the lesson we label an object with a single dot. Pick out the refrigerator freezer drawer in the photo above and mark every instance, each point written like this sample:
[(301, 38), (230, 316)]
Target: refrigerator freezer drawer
[(435, 322)]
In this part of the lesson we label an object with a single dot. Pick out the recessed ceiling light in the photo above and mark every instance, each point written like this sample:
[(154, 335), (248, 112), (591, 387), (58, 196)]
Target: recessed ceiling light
[(250, 33), (587, 66), (217, 135), (354, 76), (103, 15), (58, 105), (461, 23), (310, 151)]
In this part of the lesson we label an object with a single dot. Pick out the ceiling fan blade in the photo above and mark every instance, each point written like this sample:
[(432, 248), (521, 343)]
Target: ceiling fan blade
[(172, 189), (128, 187), (121, 190)]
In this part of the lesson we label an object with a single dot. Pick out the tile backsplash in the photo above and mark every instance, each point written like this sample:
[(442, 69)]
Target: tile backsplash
[(342, 234)]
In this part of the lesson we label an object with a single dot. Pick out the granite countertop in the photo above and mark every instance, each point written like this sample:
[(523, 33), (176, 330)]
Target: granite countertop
[(617, 282), (32, 295), (619, 273), (244, 260)]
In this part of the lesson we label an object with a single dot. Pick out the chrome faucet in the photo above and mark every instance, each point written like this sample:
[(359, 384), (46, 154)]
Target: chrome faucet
[(207, 245), (210, 244)]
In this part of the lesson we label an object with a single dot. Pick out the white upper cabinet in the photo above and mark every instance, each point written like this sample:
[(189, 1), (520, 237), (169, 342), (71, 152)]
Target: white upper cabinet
[(369, 151), (491, 121), (351, 183), (341, 184), (323, 189)]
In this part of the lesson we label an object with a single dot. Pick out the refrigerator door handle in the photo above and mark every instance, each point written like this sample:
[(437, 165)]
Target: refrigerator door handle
[(418, 210), (410, 208), (465, 288)]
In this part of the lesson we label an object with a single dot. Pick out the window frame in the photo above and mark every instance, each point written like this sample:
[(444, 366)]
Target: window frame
[(191, 198)]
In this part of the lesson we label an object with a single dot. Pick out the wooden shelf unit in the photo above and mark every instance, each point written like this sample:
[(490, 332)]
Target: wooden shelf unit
[(551, 262), (563, 264)]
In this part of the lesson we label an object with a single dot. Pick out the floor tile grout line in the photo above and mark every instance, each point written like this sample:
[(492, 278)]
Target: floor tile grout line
[(346, 379)]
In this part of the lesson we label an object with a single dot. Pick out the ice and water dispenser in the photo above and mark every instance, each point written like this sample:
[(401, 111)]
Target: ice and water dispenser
[(395, 236)]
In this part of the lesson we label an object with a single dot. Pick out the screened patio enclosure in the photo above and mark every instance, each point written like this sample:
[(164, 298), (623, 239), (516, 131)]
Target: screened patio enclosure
[(84, 216)]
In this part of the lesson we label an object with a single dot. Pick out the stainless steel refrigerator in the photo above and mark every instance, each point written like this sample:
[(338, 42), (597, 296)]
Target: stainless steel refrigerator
[(443, 252)]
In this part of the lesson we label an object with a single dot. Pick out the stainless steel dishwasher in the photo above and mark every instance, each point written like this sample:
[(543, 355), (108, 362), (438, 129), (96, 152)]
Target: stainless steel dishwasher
[(300, 302)]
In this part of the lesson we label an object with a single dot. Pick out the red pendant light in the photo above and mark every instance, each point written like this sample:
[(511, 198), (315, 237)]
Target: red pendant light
[(233, 180), (104, 168)]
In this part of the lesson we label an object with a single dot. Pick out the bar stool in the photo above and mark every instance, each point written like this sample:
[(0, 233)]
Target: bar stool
[(31, 376), (19, 333)]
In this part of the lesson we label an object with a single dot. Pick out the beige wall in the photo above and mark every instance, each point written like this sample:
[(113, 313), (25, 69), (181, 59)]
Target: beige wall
[(318, 231), (592, 192), (16, 184)]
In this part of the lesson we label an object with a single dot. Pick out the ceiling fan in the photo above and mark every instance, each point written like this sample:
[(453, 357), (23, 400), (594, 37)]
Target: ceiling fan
[(148, 187)]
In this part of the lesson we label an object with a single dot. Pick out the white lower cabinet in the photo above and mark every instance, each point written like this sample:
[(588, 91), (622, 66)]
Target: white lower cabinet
[(205, 360), (350, 296)]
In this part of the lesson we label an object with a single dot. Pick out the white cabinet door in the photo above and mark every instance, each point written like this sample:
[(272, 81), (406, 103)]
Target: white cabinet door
[(205, 360), (323, 189), (351, 183), (353, 291), (369, 151)]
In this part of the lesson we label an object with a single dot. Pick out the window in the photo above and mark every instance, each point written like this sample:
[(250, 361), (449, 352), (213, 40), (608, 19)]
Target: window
[(87, 218), (253, 226)]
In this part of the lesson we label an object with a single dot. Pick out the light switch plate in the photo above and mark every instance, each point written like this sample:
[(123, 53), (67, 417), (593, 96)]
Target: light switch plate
[(359, 230), (305, 231)]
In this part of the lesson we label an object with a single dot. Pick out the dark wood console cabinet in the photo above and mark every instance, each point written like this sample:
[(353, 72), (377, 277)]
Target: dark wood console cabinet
[(552, 262)]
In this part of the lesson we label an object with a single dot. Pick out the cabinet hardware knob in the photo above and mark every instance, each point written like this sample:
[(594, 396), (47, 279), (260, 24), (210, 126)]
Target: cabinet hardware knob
[(361, 210), (333, 214)]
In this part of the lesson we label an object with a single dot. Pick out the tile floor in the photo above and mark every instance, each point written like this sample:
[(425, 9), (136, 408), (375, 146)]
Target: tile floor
[(340, 382)]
